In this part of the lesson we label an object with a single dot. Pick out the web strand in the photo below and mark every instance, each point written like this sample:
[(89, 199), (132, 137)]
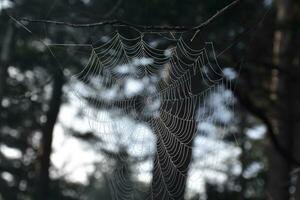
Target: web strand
[(174, 121)]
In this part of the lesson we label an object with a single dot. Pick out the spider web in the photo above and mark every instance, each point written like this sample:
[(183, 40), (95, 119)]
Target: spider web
[(178, 82)]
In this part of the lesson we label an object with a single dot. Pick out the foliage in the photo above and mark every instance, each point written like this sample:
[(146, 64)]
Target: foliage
[(26, 77)]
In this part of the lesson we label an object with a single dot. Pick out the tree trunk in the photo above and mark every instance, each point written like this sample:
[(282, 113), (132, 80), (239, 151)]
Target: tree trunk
[(4, 59), (282, 95), (175, 130), (296, 130), (47, 136)]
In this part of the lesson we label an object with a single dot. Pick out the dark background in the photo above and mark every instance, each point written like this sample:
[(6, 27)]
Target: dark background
[(257, 40)]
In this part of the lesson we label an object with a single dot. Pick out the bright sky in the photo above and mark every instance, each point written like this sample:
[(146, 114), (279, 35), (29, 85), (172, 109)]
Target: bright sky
[(74, 158), (4, 4)]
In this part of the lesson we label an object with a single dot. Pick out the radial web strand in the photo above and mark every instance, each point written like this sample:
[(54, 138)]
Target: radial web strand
[(177, 83)]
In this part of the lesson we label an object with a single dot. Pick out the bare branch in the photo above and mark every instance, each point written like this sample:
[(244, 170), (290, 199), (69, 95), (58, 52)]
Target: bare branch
[(258, 112), (147, 28), (215, 16)]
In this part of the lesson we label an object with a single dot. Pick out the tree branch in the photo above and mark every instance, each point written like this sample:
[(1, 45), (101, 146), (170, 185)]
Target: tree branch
[(143, 28), (42, 191), (247, 103)]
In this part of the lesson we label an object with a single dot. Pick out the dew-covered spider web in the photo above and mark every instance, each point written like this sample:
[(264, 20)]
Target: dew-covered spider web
[(150, 98), (138, 83)]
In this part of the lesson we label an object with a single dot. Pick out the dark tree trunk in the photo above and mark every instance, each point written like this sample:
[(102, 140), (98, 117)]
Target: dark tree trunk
[(174, 136), (47, 136), (173, 156), (295, 87), (4, 59), (282, 95)]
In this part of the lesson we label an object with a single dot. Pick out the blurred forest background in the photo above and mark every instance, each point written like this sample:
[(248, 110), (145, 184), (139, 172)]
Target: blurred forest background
[(46, 151)]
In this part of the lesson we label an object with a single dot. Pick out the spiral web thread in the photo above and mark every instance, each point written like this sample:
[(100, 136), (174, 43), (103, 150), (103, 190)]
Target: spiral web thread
[(169, 104)]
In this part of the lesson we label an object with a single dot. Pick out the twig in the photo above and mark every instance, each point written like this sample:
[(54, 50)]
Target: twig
[(247, 103), (214, 17), (147, 28)]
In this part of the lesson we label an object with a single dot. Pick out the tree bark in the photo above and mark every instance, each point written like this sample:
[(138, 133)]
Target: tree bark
[(47, 136), (296, 131), (173, 156), (174, 139), (282, 94), (5, 56)]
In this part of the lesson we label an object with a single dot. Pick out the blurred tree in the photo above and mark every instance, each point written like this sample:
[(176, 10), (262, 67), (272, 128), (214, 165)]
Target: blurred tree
[(27, 120), (268, 91), (284, 93), (250, 183), (47, 131), (119, 181), (17, 131)]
